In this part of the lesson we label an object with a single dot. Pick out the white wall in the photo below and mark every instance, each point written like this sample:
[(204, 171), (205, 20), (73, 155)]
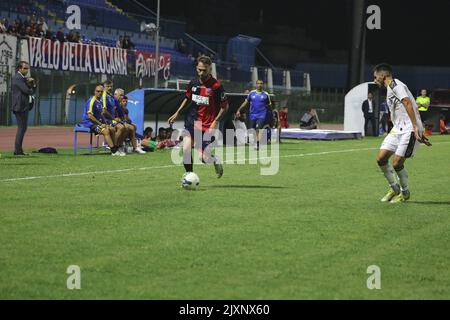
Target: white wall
[(353, 115)]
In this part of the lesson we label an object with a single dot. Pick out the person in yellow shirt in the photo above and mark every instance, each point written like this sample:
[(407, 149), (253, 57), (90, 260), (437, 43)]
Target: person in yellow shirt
[(423, 101)]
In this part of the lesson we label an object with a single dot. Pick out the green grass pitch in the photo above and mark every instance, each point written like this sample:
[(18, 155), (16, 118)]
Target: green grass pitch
[(308, 232)]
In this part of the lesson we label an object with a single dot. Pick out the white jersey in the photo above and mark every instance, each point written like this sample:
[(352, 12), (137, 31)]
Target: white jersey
[(397, 91)]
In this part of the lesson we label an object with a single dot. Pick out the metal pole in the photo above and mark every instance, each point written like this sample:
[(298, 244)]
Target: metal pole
[(157, 47), (355, 50)]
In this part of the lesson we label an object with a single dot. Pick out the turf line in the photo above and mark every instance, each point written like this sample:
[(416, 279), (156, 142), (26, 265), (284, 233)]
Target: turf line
[(177, 165)]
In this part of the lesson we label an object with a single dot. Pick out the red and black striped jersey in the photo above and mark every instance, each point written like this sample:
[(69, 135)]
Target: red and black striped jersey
[(206, 101)]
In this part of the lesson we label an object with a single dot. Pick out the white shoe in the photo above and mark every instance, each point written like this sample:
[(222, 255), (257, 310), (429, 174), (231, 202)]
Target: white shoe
[(118, 154), (139, 150)]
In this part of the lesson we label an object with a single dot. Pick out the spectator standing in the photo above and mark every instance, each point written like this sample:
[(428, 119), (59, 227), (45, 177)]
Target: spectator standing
[(119, 42), (283, 117), (43, 24), (384, 114), (423, 101), (368, 108), (22, 89), (3, 27)]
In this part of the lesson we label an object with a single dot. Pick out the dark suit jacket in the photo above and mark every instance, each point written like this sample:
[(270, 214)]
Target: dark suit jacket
[(365, 108), (20, 94)]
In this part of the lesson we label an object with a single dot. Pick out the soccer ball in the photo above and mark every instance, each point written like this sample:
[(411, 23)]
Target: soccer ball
[(190, 181)]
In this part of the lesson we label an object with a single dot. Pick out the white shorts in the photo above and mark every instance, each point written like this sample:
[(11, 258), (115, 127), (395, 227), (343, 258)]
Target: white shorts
[(404, 144)]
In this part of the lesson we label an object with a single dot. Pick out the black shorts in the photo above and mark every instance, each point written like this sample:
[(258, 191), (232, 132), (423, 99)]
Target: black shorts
[(196, 144), (257, 123), (95, 128)]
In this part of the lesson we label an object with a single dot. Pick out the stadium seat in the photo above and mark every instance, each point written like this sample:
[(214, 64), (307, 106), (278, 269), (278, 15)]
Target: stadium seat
[(79, 129)]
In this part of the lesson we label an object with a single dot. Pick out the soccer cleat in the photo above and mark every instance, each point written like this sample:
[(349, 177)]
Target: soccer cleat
[(393, 191), (406, 194), (139, 150), (402, 197), (219, 168)]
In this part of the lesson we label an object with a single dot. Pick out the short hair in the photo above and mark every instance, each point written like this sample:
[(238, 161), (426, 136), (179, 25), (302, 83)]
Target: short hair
[(204, 59), (383, 67), (21, 64), (259, 80), (98, 85), (119, 90), (108, 82), (125, 97)]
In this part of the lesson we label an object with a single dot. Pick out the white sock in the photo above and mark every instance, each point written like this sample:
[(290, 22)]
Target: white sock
[(209, 159), (390, 174), (403, 177)]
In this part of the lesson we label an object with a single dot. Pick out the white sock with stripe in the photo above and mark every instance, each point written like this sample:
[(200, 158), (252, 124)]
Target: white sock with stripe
[(403, 177), (390, 174)]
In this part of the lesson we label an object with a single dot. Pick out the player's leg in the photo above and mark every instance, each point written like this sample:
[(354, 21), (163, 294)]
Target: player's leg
[(206, 153), (106, 133), (398, 163), (387, 149), (188, 161), (407, 148), (111, 131), (120, 133), (259, 131), (131, 133)]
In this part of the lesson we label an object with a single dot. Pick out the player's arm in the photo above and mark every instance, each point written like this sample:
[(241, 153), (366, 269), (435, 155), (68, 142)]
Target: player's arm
[(93, 118), (243, 105), (183, 104), (412, 116), (90, 112), (105, 111), (410, 110), (107, 114), (223, 101), (219, 116)]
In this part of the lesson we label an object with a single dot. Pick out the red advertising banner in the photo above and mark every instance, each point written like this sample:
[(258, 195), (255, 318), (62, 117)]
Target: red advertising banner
[(146, 65)]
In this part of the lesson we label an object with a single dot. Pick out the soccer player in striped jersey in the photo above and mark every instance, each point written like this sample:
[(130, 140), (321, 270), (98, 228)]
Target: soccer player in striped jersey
[(207, 103), (403, 140)]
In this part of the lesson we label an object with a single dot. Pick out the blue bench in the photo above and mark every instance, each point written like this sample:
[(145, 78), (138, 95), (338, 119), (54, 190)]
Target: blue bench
[(79, 129)]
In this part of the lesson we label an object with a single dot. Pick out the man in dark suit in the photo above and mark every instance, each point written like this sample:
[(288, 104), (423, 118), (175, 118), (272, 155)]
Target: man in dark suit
[(22, 89), (368, 108)]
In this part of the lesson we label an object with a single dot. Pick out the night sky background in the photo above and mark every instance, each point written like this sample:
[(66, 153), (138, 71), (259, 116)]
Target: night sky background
[(412, 32)]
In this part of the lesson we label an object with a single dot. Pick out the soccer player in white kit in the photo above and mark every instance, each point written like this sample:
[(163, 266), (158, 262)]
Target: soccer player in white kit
[(404, 138)]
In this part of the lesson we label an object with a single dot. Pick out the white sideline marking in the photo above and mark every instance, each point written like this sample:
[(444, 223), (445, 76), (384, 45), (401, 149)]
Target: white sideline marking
[(177, 165)]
